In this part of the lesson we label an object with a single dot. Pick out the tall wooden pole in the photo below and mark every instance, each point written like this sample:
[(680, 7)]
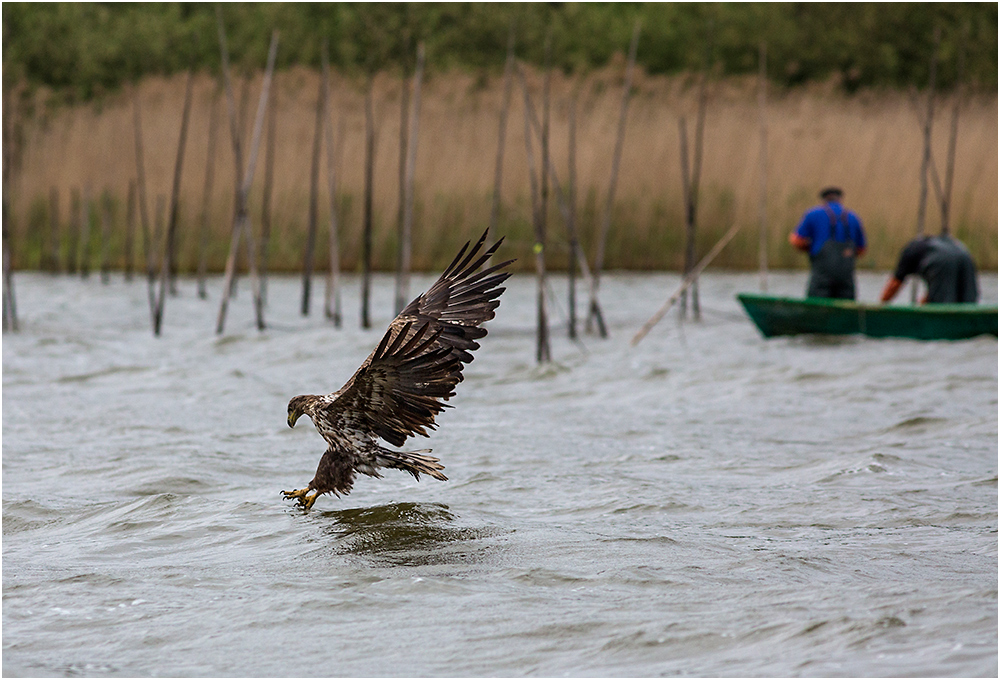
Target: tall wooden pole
[(691, 183), (594, 310), (542, 352), (762, 201), (130, 220), (508, 82), (562, 202), (241, 221), (169, 245), (307, 263), (404, 131), (926, 159), (9, 302), (73, 238), (574, 242), (53, 245), (159, 212), (406, 241), (258, 302), (332, 301), (242, 127), (105, 233), (407, 178), (206, 198), (265, 206), (147, 244), (85, 231), (366, 236), (928, 125), (949, 173), (235, 136)]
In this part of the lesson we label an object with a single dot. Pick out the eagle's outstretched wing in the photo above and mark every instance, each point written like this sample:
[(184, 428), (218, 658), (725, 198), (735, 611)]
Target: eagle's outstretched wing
[(397, 392), (459, 301)]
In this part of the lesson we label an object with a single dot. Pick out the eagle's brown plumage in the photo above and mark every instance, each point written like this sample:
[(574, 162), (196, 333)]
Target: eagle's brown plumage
[(399, 388)]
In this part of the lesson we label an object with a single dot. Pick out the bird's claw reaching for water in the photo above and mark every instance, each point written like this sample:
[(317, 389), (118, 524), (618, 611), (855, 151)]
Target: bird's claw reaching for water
[(302, 496)]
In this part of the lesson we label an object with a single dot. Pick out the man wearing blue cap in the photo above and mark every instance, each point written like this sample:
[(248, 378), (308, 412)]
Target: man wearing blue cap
[(834, 238)]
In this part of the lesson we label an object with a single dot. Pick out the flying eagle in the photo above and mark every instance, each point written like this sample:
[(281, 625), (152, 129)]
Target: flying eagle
[(397, 392)]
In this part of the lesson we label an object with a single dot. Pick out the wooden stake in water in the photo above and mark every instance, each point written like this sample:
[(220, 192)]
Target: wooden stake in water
[(105, 234), (762, 200), (406, 231), (508, 82), (594, 311), (130, 218), (949, 173), (73, 237), (147, 244), (206, 197), (926, 158), (404, 131), (332, 299), (169, 244), (9, 303), (235, 133), (542, 351), (52, 259), (691, 181), (574, 242), (562, 201), (159, 212), (241, 221), (686, 283), (307, 262), (265, 206), (85, 233), (366, 225)]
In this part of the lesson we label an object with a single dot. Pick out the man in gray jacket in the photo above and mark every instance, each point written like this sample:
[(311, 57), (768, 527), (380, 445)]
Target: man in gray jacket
[(944, 263)]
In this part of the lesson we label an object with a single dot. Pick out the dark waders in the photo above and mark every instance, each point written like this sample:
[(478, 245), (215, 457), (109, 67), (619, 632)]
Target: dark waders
[(832, 274)]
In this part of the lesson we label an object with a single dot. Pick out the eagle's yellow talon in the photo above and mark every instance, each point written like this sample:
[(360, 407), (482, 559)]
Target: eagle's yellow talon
[(298, 493), (302, 496)]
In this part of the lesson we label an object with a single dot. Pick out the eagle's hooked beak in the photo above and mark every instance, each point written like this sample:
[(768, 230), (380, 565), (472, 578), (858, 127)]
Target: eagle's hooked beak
[(292, 417)]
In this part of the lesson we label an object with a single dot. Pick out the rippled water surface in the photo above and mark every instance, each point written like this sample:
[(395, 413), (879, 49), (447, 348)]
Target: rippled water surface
[(708, 503)]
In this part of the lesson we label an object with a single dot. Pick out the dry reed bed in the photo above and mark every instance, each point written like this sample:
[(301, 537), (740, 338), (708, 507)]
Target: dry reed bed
[(869, 143)]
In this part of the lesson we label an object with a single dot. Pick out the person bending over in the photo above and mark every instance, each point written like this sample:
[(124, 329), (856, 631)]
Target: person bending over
[(944, 263)]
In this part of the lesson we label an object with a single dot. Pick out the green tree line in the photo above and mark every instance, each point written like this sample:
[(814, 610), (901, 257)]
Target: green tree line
[(82, 50)]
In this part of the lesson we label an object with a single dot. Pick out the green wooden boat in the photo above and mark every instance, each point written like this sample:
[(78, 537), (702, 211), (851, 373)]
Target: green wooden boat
[(794, 316)]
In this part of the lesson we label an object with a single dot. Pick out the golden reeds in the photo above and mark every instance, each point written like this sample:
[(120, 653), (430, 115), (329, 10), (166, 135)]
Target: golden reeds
[(868, 143)]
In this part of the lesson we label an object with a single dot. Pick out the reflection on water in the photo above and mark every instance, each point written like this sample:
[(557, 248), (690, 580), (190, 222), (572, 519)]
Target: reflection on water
[(406, 534)]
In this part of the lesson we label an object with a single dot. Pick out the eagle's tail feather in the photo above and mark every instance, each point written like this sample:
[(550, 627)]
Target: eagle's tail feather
[(413, 462)]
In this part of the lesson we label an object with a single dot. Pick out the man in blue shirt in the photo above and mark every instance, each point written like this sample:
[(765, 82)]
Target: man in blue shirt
[(834, 238)]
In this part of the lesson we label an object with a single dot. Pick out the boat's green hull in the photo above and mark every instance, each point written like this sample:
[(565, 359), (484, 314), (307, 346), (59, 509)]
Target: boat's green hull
[(794, 316)]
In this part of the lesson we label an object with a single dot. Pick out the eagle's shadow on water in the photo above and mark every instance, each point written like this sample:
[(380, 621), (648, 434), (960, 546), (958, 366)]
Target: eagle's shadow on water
[(407, 534)]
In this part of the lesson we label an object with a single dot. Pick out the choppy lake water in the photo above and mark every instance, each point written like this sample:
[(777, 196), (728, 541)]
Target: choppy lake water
[(708, 503)]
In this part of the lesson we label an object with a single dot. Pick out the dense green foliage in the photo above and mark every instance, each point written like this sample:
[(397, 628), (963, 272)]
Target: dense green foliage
[(83, 49)]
